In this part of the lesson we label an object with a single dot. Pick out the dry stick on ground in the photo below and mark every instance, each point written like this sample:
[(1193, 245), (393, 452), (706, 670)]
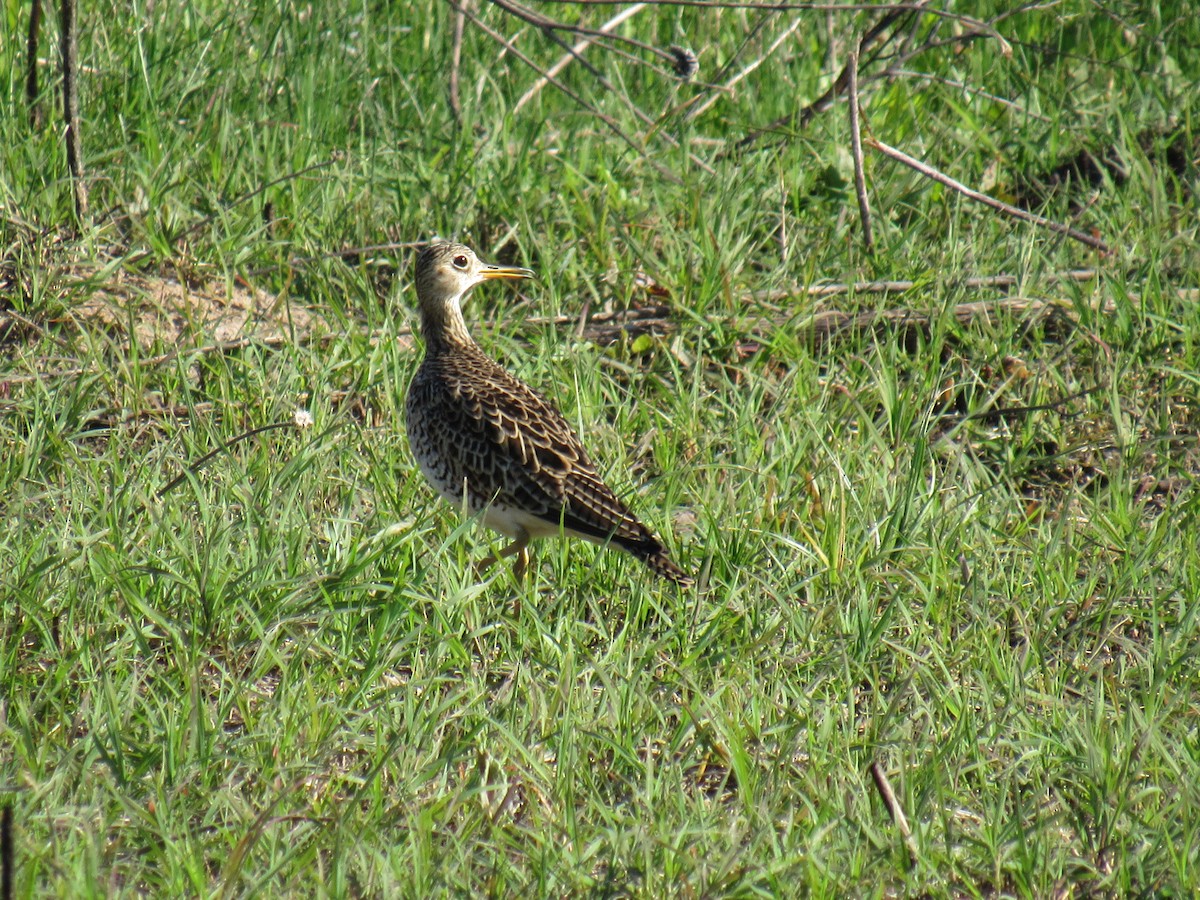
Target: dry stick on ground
[(894, 810), (860, 181), (70, 64), (31, 74), (982, 282), (1007, 208), (820, 329)]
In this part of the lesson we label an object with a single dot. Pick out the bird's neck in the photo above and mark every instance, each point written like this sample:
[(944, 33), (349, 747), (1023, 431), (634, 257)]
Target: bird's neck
[(443, 327)]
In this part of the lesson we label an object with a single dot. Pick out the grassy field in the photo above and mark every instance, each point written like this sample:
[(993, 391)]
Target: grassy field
[(961, 548)]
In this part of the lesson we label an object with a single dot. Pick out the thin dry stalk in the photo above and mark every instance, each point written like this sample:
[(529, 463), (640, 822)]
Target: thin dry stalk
[(638, 113), (70, 64), (999, 205), (860, 181), (551, 26), (31, 73), (575, 51), (894, 810)]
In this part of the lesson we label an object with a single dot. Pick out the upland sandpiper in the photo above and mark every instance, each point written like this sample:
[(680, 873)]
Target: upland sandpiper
[(490, 443)]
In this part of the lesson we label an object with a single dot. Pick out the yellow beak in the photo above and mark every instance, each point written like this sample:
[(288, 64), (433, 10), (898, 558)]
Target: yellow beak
[(489, 271)]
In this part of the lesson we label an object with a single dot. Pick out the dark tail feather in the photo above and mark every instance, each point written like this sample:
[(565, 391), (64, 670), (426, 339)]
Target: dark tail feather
[(661, 565)]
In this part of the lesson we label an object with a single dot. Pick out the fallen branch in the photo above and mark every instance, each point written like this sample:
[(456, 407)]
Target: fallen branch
[(982, 282)]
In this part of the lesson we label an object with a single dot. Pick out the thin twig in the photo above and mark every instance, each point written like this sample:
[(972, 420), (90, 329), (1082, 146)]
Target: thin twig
[(31, 73), (999, 205), (637, 111), (970, 23), (1011, 412), (894, 810), (608, 120), (747, 70), (70, 64), (549, 25), (860, 180), (575, 51)]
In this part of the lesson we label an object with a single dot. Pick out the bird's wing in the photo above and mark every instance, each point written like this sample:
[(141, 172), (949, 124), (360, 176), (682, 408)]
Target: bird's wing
[(534, 457)]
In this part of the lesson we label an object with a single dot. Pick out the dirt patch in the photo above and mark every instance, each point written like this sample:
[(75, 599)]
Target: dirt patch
[(164, 311)]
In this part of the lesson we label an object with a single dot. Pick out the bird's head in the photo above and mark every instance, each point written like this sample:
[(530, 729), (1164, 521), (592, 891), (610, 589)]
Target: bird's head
[(446, 271)]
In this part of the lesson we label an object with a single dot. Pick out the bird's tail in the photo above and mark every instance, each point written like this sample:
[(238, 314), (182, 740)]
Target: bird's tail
[(661, 565)]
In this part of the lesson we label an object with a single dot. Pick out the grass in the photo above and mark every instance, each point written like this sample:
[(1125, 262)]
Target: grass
[(966, 552)]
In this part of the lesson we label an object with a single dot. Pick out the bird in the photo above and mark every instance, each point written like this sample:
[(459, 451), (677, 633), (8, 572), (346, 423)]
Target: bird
[(492, 445)]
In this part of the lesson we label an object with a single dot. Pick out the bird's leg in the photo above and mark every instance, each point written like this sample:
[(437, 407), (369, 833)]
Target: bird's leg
[(521, 563), (517, 548)]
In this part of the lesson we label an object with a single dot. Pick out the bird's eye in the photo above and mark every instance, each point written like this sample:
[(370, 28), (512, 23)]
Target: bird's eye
[(460, 261)]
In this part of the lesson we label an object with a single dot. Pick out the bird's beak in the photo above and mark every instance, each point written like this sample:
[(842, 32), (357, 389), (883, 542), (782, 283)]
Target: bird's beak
[(489, 272)]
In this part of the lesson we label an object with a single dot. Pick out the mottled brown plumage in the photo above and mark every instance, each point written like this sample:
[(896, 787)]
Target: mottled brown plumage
[(482, 436)]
